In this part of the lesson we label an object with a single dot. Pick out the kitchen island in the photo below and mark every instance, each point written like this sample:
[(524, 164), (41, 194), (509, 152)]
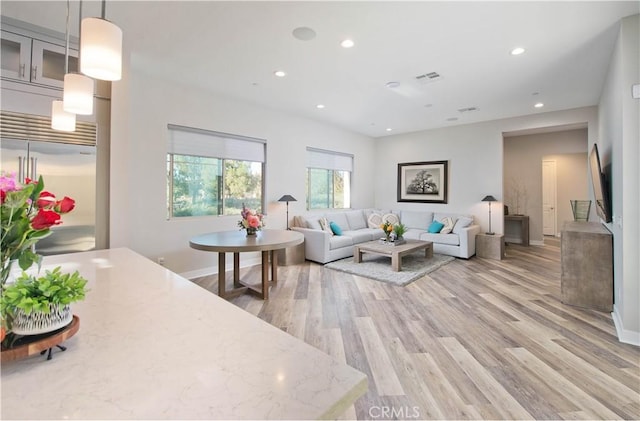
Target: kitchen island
[(153, 345)]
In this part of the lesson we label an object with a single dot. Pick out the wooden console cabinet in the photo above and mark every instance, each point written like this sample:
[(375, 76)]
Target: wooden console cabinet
[(586, 250)]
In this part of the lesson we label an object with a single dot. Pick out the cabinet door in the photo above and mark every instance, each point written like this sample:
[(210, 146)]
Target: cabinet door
[(47, 63), (16, 56)]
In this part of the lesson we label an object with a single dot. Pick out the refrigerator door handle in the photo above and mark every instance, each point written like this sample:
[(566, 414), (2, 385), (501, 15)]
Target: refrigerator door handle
[(21, 162), (34, 168)]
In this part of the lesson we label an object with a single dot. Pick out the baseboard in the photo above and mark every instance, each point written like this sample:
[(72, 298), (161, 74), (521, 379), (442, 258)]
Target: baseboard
[(536, 243), (213, 270), (624, 336)]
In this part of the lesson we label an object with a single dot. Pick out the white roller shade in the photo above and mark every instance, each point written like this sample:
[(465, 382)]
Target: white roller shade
[(328, 160), (198, 142)]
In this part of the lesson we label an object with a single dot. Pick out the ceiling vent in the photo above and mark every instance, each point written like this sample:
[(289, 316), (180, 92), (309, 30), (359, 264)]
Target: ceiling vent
[(429, 77), (468, 109)]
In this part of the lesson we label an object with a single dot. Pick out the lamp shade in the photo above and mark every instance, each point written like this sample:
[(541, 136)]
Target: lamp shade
[(287, 198), (78, 94), (489, 199), (100, 49), (60, 119)]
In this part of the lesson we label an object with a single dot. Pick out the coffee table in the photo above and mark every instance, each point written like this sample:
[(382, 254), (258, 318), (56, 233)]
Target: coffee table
[(395, 252)]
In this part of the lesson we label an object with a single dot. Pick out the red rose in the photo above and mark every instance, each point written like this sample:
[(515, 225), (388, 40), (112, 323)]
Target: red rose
[(65, 205), (45, 219), (3, 195), (46, 200)]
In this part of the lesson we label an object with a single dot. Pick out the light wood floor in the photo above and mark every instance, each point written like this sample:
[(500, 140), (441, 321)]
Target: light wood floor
[(476, 339)]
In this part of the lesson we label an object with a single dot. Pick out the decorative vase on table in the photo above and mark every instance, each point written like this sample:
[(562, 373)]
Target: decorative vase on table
[(36, 323), (251, 221)]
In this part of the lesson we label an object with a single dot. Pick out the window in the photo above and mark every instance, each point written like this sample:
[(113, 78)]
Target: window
[(328, 179), (212, 173)]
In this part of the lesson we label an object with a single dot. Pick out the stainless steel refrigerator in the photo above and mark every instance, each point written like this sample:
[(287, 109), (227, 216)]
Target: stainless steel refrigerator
[(67, 170)]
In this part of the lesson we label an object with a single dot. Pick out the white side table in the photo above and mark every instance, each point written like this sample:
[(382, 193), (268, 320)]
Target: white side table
[(490, 246)]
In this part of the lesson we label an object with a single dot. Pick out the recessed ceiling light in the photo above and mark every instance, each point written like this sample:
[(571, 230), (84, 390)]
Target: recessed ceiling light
[(539, 105), (388, 129), (320, 106), (392, 84), (452, 119), (279, 73), (347, 43), (517, 51), (304, 34)]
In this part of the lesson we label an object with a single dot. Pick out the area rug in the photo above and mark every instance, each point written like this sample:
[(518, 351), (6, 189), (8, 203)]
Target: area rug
[(377, 267)]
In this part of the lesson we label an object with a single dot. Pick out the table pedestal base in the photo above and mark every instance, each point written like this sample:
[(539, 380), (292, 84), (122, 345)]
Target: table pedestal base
[(240, 287)]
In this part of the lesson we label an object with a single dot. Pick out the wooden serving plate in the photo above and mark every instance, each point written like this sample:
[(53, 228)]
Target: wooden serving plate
[(40, 343)]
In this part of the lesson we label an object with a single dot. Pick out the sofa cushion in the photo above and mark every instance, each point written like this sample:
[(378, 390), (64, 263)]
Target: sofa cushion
[(356, 220), (313, 222), (359, 236), (339, 218), (335, 228), (374, 220), (461, 223), (448, 225), (416, 219), (449, 239), (339, 241), (435, 227)]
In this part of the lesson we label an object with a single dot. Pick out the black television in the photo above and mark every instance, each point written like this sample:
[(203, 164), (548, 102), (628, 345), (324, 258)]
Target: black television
[(600, 186)]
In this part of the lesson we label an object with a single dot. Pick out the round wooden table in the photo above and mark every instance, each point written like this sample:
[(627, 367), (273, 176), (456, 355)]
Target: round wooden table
[(236, 242)]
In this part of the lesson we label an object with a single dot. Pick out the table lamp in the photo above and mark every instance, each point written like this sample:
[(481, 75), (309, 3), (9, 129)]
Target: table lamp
[(489, 199), (287, 198)]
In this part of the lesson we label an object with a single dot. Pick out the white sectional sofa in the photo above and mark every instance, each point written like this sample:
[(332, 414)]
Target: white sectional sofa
[(359, 225)]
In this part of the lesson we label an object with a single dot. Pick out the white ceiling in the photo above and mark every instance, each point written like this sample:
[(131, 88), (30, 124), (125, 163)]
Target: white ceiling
[(233, 48)]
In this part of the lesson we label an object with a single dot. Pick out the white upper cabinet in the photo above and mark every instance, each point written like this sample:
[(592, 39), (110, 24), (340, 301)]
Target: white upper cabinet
[(35, 61)]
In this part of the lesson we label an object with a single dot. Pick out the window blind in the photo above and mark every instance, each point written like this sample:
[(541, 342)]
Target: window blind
[(198, 142), (329, 160)]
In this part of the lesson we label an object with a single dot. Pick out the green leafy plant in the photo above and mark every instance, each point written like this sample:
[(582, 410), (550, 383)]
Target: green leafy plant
[(31, 293), (399, 230)]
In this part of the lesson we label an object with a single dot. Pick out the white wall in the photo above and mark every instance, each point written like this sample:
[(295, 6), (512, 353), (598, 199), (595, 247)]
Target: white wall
[(475, 155), (142, 108), (523, 157), (619, 133)]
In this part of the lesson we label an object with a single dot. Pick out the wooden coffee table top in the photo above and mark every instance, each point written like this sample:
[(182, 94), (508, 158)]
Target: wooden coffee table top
[(380, 248)]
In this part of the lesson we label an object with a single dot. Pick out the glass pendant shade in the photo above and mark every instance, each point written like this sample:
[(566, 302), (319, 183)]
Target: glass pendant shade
[(78, 94), (60, 119), (100, 49)]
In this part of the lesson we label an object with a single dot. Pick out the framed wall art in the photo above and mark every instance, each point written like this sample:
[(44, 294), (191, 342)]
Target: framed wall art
[(425, 182)]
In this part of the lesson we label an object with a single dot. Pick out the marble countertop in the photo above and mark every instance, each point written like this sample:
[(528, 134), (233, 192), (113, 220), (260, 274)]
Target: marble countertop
[(153, 345)]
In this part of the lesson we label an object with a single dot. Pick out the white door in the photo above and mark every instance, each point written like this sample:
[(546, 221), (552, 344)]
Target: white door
[(549, 198)]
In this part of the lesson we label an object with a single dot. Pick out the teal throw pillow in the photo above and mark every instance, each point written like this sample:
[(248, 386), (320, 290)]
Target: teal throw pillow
[(435, 227), (335, 228)]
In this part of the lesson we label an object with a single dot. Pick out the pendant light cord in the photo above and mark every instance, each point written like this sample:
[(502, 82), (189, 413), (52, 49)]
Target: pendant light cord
[(104, 8), (66, 49), (79, 34)]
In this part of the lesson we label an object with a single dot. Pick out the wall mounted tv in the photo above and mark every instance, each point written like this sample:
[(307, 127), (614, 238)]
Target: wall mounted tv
[(600, 185)]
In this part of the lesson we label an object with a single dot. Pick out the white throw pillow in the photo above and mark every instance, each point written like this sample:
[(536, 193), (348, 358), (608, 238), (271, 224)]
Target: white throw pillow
[(324, 223), (374, 220), (463, 222), (448, 225), (391, 218)]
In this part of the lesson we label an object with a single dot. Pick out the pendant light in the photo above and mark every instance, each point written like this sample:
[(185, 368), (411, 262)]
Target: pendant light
[(78, 88), (101, 48), (61, 119)]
